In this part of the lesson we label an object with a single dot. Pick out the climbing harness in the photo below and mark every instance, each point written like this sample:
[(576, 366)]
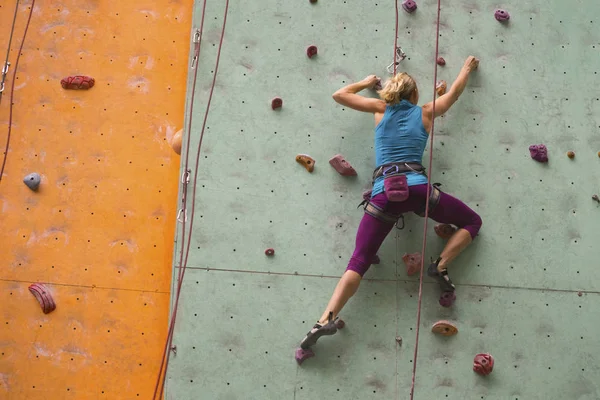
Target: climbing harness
[(397, 168), (392, 170), (434, 199)]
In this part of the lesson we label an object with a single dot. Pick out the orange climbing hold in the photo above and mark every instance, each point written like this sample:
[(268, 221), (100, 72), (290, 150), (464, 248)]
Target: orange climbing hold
[(343, 167), (43, 296), (307, 161), (77, 82), (445, 328), (571, 154), (176, 141), (440, 88)]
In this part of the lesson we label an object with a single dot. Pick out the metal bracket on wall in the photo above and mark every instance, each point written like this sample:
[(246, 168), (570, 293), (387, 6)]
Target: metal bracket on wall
[(401, 55), (196, 41)]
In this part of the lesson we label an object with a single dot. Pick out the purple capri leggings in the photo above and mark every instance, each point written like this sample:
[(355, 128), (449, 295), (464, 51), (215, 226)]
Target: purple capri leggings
[(372, 232)]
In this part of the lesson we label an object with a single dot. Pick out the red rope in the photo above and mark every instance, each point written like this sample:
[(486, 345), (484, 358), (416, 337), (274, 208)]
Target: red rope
[(437, 42), (183, 261), (12, 90)]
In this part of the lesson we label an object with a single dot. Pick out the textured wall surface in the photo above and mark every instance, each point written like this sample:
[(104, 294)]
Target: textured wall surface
[(242, 314), (99, 232)]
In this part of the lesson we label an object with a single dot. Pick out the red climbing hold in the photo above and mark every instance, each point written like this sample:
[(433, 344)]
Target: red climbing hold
[(276, 103), (343, 167), (43, 296), (413, 263), (502, 15), (77, 82), (445, 231), (538, 152), (447, 299), (441, 61), (311, 51), (483, 363), (270, 252), (313, 1), (409, 6)]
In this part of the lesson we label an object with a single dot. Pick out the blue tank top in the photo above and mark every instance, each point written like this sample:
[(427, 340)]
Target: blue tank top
[(400, 137)]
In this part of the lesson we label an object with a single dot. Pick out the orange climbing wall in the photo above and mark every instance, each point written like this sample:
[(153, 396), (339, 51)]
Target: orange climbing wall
[(100, 230)]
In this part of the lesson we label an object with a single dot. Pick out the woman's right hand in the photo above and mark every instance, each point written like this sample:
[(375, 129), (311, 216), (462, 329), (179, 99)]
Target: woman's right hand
[(471, 64)]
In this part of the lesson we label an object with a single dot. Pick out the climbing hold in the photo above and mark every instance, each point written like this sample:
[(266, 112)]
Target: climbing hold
[(302, 355), (276, 103), (571, 154), (444, 230), (42, 294), (483, 364), (413, 263), (32, 181), (313, 1), (409, 6), (343, 167), (447, 299), (445, 328), (539, 152), (440, 61), (270, 252), (311, 51), (176, 141), (502, 15), (579, 294), (77, 82), (379, 86), (440, 88), (339, 323), (595, 198), (307, 161), (599, 154), (399, 340), (376, 260)]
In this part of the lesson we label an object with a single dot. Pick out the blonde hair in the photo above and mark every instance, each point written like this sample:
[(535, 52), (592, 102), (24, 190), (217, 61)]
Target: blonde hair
[(397, 88)]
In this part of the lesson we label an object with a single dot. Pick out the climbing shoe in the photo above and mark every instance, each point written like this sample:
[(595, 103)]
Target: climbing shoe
[(446, 284), (317, 331)]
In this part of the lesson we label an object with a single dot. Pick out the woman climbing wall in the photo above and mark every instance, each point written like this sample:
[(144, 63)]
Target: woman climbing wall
[(399, 183)]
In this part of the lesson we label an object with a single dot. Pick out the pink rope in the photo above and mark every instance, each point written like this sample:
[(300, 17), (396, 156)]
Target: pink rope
[(12, 90), (437, 42), (183, 261)]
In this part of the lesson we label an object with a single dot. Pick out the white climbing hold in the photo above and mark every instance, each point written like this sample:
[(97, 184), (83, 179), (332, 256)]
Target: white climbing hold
[(32, 181)]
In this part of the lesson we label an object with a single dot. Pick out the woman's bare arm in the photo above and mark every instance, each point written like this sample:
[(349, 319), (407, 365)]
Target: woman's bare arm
[(347, 96), (444, 102)]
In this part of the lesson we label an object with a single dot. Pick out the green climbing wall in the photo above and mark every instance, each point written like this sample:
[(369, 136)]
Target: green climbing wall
[(528, 287)]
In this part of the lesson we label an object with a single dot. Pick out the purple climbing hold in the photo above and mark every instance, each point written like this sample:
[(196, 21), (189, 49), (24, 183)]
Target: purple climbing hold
[(502, 15), (302, 355), (539, 152), (409, 6), (447, 299)]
